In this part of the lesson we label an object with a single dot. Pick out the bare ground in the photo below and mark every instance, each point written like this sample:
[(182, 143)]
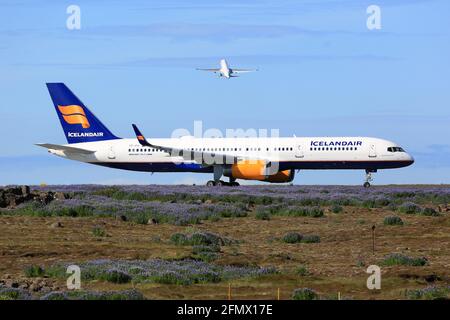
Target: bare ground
[(337, 264)]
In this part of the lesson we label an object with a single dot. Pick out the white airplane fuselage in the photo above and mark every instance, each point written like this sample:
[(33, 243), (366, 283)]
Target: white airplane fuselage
[(289, 153), (224, 70)]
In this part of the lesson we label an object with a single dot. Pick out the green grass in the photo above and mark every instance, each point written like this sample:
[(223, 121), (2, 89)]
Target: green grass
[(393, 221), (34, 271), (304, 294), (302, 271), (403, 260), (99, 232), (429, 293)]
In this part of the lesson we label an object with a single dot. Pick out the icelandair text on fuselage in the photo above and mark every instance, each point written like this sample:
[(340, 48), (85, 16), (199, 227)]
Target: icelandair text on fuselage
[(335, 143), (84, 134)]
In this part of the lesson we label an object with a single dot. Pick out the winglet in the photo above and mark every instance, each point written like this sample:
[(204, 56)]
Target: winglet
[(140, 137)]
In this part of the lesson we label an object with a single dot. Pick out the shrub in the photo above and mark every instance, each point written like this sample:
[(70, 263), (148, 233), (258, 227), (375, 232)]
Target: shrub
[(141, 218), (429, 293), (430, 212), (310, 239), (206, 256), (205, 238), (393, 221), (304, 294), (233, 213), (262, 215), (292, 237), (206, 253), (179, 239), (34, 271), (99, 232), (7, 293), (409, 208), (198, 239), (302, 212), (116, 276), (302, 271), (400, 259), (336, 208), (200, 249)]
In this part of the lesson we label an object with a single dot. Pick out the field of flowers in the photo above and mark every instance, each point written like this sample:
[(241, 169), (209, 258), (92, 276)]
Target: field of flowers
[(184, 205)]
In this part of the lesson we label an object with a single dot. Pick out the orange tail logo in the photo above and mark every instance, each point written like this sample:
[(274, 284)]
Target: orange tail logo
[(74, 114)]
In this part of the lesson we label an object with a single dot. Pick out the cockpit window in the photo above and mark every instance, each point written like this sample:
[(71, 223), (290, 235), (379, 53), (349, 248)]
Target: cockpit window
[(395, 149)]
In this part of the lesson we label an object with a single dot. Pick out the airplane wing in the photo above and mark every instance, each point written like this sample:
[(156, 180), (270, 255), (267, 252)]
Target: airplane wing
[(191, 154), (64, 148), (211, 70), (243, 70)]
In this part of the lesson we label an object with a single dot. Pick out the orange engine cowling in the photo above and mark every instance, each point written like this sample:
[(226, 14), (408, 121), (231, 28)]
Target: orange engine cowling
[(281, 176), (256, 170)]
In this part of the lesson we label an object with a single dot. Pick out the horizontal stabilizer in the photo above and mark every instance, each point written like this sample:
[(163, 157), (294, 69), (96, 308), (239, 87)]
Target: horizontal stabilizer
[(64, 148)]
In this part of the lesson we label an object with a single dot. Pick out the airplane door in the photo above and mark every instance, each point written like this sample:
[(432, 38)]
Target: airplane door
[(299, 151), (372, 151), (111, 153)]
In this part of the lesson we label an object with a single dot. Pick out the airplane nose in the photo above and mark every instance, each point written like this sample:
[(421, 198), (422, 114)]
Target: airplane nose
[(410, 159)]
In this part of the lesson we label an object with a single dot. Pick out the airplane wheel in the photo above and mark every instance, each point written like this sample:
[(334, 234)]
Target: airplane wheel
[(220, 183), (235, 184), (210, 183), (366, 184)]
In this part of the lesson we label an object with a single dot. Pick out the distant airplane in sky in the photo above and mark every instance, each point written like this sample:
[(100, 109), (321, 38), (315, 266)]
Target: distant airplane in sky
[(270, 159), (227, 72)]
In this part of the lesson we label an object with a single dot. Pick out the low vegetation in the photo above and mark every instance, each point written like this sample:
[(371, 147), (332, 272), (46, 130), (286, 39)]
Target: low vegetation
[(429, 293), (304, 294), (393, 221), (295, 237), (403, 260)]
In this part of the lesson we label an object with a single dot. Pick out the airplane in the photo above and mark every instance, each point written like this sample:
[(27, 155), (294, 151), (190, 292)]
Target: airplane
[(226, 72), (268, 159)]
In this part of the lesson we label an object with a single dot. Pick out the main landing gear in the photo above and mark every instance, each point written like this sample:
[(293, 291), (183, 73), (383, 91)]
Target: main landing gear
[(220, 183), (368, 178), (218, 173)]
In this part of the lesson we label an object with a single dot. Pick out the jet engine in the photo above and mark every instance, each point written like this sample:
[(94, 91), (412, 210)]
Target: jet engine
[(257, 170)]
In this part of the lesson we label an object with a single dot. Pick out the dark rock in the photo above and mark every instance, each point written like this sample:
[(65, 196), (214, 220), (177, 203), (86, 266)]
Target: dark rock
[(432, 278), (122, 218)]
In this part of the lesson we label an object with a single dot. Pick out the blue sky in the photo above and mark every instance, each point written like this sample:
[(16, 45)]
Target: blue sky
[(322, 73)]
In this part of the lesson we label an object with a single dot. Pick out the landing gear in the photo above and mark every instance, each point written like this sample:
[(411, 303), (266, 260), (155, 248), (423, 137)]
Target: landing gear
[(221, 183), (368, 178)]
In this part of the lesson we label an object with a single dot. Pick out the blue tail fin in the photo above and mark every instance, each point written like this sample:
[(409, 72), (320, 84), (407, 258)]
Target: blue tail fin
[(78, 122)]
